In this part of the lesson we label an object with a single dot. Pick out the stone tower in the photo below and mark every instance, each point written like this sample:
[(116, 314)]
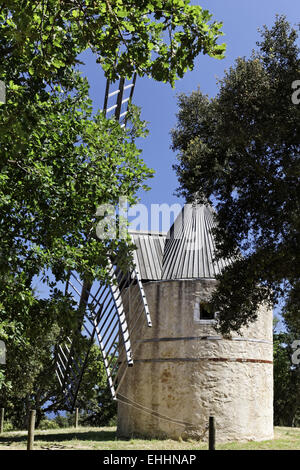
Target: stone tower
[(183, 370)]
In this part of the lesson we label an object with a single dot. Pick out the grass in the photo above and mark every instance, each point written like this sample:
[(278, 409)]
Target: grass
[(105, 439)]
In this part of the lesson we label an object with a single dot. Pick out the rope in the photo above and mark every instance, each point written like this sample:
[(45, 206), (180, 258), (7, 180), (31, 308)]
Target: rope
[(140, 407)]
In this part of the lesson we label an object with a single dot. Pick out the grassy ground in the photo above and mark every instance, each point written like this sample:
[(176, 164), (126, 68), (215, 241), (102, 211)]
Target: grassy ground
[(105, 439)]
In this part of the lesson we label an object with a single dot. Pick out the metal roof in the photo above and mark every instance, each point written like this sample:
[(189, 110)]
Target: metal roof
[(185, 252), (149, 254)]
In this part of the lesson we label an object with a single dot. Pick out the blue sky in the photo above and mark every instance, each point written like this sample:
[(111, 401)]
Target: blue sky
[(241, 19)]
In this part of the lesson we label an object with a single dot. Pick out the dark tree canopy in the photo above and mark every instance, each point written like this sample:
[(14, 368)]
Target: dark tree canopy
[(240, 151)]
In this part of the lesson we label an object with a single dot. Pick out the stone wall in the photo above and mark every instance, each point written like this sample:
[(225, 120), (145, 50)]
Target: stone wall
[(185, 372)]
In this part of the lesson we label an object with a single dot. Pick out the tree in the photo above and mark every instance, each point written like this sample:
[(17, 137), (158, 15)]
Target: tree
[(95, 402), (240, 152), (159, 38), (58, 164), (34, 385), (286, 372), (62, 166), (30, 382)]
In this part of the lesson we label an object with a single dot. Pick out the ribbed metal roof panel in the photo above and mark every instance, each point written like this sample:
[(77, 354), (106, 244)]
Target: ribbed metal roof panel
[(149, 254), (186, 252)]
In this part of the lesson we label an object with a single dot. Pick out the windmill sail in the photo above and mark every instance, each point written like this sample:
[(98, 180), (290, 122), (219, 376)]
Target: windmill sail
[(101, 312)]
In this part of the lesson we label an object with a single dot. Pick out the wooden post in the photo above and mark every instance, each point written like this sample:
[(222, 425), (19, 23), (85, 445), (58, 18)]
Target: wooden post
[(212, 434), (1, 420), (76, 417), (31, 426)]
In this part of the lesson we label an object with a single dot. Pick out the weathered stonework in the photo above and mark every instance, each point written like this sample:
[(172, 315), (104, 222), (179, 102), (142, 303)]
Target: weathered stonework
[(185, 372)]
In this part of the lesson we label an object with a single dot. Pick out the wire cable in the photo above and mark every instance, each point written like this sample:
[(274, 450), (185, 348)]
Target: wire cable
[(143, 408)]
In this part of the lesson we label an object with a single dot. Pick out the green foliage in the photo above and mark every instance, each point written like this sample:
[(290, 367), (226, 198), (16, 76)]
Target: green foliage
[(59, 162), (64, 421), (48, 424), (286, 374), (240, 150), (96, 403), (30, 370), (8, 426), (154, 37)]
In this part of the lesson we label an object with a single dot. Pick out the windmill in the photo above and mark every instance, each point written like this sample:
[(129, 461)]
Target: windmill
[(184, 370), (101, 314)]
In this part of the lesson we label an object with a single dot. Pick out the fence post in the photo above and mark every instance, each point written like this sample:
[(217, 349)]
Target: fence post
[(76, 417), (1, 420), (31, 426), (212, 434)]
